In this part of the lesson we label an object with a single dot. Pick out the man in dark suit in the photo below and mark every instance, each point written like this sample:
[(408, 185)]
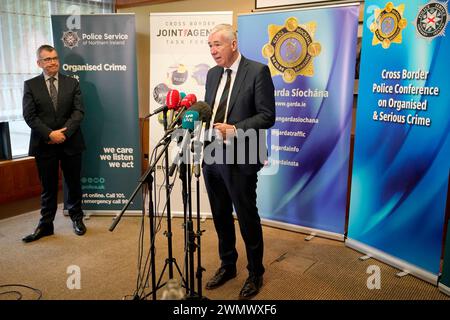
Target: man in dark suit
[(53, 109), (241, 93)]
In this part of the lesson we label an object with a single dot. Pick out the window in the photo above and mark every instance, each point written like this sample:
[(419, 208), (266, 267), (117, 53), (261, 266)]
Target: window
[(24, 26)]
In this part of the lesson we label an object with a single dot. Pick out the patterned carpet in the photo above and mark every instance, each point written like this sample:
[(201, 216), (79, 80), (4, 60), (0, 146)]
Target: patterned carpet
[(320, 269)]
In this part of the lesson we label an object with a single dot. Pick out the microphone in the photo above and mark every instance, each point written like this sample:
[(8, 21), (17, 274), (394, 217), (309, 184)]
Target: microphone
[(185, 104), (190, 120), (205, 115), (172, 101), (204, 111)]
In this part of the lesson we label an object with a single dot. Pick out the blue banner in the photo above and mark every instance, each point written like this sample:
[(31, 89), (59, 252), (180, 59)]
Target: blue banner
[(402, 141), (311, 54), (99, 50)]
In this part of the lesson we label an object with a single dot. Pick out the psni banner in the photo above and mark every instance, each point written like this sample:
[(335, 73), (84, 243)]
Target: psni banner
[(312, 55), (99, 50), (402, 141)]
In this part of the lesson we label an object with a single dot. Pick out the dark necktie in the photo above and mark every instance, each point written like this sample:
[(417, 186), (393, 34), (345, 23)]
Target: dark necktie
[(53, 92), (220, 114)]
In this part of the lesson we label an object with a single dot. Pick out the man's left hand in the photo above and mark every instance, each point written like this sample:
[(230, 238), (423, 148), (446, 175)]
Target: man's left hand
[(226, 130)]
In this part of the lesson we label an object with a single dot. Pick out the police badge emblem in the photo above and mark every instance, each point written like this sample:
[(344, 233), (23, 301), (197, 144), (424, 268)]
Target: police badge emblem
[(432, 19), (388, 25), (70, 39), (291, 49)]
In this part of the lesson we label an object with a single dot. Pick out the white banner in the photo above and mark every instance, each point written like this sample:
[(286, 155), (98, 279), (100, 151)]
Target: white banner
[(179, 59)]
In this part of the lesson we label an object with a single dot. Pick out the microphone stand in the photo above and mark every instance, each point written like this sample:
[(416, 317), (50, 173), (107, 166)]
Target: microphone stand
[(192, 246), (200, 269), (147, 179), (184, 195), (190, 235), (170, 260)]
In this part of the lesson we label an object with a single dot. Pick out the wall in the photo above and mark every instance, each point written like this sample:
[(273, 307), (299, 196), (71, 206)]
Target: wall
[(143, 33), (19, 180)]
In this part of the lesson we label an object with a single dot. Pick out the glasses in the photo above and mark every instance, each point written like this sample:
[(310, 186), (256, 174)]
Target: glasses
[(49, 59)]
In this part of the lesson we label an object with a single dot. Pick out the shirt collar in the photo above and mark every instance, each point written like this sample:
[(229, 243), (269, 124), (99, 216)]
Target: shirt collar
[(234, 67), (46, 77)]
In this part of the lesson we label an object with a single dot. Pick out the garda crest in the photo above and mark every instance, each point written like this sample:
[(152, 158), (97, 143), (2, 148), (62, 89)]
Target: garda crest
[(432, 19), (388, 25), (70, 39), (291, 49)]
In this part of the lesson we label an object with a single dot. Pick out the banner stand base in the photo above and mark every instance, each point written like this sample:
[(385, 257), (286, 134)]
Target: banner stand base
[(444, 289), (305, 230), (89, 213), (393, 261)]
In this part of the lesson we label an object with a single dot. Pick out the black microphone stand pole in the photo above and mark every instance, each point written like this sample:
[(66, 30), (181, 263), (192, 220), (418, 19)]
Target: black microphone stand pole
[(170, 258), (192, 244), (190, 236), (184, 194), (200, 269)]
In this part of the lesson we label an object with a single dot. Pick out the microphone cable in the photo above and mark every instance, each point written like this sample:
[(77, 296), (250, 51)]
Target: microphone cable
[(19, 294)]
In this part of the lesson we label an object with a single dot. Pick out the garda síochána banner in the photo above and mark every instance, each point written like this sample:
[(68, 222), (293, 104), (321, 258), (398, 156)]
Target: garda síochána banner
[(402, 142), (99, 50), (312, 55)]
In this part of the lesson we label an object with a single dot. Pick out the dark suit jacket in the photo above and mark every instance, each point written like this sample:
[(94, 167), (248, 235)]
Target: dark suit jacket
[(40, 115), (252, 102)]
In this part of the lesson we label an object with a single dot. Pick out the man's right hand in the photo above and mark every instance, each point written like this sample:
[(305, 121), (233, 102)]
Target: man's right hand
[(57, 136)]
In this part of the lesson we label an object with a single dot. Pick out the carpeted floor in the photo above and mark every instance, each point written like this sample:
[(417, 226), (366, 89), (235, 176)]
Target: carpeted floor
[(107, 261)]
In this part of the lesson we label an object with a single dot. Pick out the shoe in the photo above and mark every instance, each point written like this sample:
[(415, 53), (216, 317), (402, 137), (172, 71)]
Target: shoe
[(251, 287), (42, 230), (222, 275), (78, 227)]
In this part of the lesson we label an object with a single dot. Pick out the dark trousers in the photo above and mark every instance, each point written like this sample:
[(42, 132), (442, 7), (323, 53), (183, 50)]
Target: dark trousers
[(48, 169), (227, 187)]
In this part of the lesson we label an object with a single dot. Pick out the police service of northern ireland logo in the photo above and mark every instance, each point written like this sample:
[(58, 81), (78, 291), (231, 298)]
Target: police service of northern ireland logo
[(388, 25), (432, 19), (291, 49), (70, 39)]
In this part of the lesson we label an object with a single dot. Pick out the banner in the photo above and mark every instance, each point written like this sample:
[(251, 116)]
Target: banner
[(99, 50), (179, 60), (311, 54), (402, 142)]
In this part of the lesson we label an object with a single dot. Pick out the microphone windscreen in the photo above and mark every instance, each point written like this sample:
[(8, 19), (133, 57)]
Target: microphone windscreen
[(189, 119), (186, 103), (191, 97), (173, 99), (203, 109)]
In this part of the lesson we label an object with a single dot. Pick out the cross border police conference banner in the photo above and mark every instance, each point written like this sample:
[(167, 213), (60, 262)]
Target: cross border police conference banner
[(179, 60), (312, 55), (99, 50), (402, 142)]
